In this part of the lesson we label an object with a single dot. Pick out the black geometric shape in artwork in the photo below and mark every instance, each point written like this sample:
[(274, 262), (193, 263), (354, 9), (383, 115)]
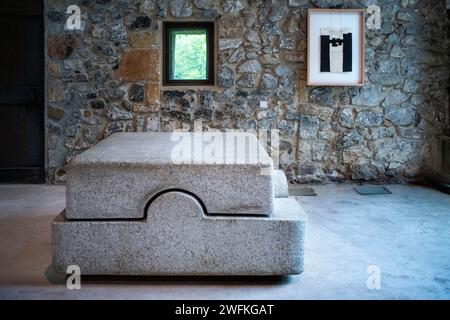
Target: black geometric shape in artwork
[(346, 43), (324, 53), (336, 42), (347, 63)]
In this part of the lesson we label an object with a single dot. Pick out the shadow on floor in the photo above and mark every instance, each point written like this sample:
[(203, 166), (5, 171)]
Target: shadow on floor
[(56, 278)]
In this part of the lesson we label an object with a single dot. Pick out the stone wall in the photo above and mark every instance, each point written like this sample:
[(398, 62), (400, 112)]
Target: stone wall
[(106, 78)]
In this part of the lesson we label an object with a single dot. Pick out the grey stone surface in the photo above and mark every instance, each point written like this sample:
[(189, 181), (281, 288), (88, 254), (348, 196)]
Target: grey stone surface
[(178, 238), (246, 81), (118, 33), (268, 81), (231, 6), (180, 8), (400, 116), (250, 66), (201, 4), (411, 222), (370, 118), (117, 177), (308, 127), (280, 184), (370, 96), (346, 119), (225, 44), (263, 57), (395, 97), (252, 36), (136, 93), (225, 77), (297, 3)]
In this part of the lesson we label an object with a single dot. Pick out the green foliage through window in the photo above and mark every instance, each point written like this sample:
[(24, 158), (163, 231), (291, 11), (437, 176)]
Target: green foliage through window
[(188, 54)]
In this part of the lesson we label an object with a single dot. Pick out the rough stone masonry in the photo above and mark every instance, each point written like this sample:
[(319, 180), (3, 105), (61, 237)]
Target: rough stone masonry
[(105, 78)]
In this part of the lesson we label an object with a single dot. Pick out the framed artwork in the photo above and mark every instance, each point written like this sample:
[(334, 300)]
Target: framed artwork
[(335, 47)]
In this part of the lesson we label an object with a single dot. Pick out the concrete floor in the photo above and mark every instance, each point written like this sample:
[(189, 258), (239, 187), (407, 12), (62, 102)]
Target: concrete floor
[(406, 234)]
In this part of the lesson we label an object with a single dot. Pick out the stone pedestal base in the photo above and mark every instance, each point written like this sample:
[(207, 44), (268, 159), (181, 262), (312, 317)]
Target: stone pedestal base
[(178, 237)]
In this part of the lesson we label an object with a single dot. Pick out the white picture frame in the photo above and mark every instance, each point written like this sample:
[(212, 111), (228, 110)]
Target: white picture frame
[(348, 19)]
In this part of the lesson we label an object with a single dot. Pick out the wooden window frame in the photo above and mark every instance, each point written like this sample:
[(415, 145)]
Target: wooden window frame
[(209, 26)]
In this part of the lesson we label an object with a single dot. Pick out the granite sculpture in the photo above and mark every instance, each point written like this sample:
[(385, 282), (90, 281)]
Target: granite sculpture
[(178, 204)]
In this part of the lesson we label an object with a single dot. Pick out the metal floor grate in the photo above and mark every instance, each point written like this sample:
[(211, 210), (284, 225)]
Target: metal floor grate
[(371, 190), (301, 192)]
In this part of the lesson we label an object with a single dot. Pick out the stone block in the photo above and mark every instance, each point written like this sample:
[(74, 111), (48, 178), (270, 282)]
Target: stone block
[(225, 44), (54, 70), (230, 26), (370, 96), (231, 6), (280, 184), (400, 116), (139, 64), (180, 8), (55, 91), (177, 237), (143, 39), (61, 47), (250, 66), (117, 177), (393, 150), (152, 93)]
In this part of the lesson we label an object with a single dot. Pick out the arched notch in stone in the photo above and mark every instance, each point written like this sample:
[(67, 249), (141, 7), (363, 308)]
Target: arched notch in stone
[(178, 239), (159, 194)]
